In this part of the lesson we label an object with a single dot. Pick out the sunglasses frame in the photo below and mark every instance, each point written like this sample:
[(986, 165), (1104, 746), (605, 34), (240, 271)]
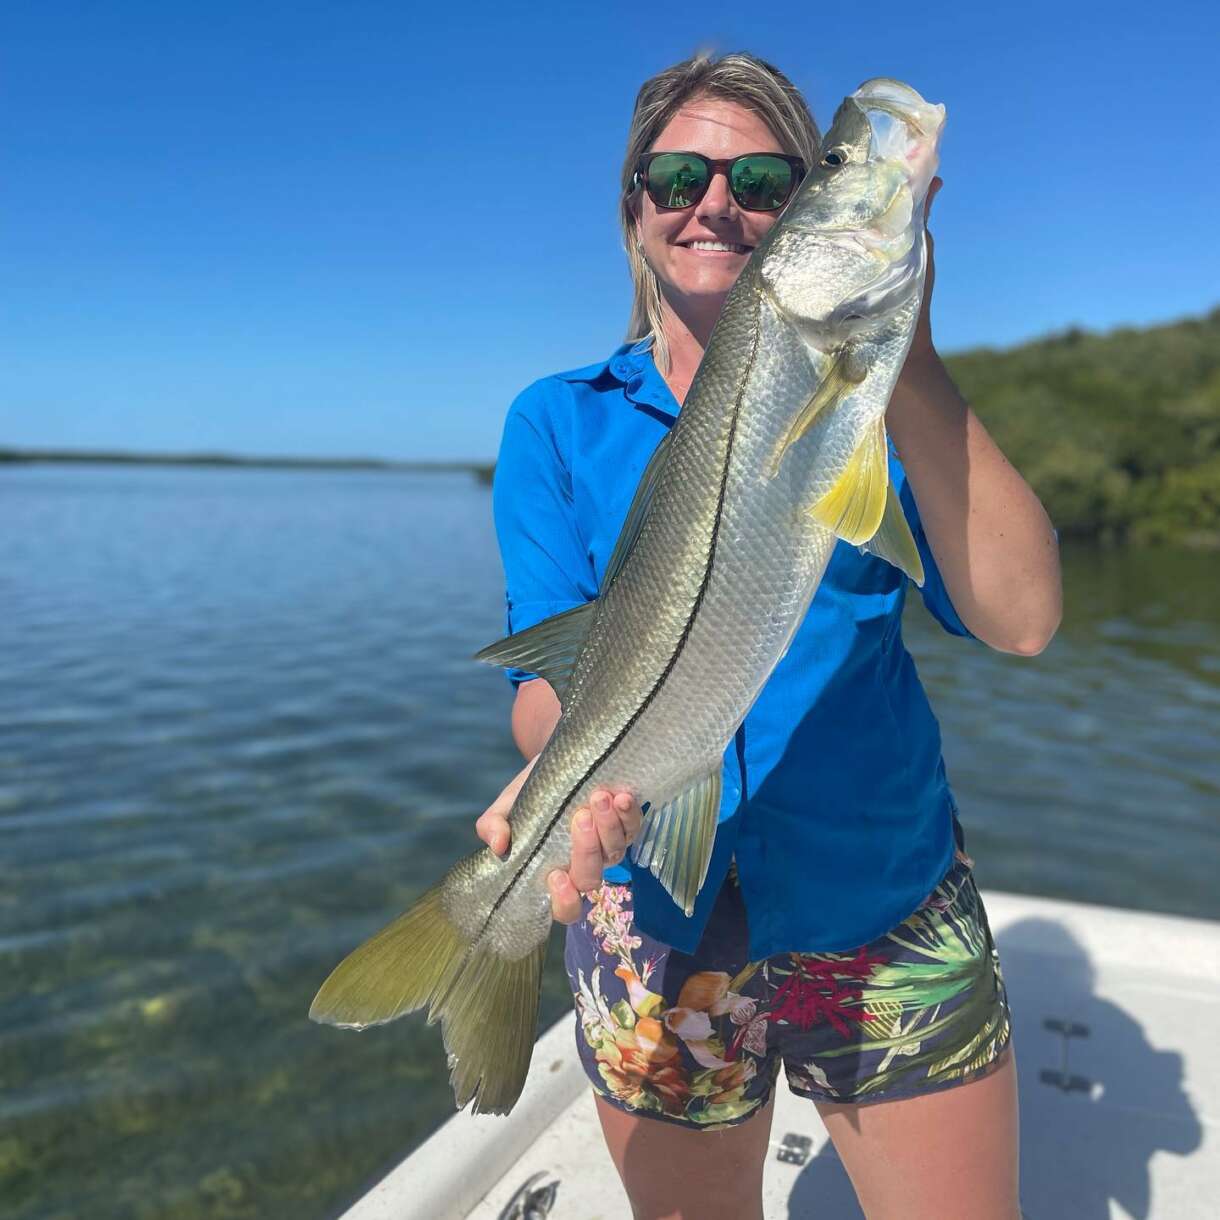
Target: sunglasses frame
[(714, 167)]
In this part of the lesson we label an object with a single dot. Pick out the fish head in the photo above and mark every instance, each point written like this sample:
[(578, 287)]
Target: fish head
[(876, 163), (857, 219)]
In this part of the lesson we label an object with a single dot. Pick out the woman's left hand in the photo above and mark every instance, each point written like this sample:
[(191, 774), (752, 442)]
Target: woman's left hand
[(922, 348)]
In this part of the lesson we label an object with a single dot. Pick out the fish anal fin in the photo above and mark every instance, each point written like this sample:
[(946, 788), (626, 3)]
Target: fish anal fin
[(844, 374), (549, 648), (893, 540), (676, 843), (853, 508)]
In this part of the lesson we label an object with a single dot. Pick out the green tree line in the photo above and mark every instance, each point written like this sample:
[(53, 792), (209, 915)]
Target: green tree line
[(1119, 433)]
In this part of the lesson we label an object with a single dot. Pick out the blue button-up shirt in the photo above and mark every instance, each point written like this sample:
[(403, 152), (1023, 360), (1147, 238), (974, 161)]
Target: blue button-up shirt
[(835, 802)]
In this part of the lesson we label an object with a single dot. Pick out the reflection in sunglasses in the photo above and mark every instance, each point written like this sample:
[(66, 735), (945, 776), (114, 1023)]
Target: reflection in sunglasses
[(683, 179)]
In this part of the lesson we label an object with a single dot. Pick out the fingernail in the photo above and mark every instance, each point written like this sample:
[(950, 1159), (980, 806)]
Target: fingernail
[(623, 801), (601, 802), (584, 820), (552, 881)]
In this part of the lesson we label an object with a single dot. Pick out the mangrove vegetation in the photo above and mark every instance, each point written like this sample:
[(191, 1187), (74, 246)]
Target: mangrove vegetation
[(1119, 433)]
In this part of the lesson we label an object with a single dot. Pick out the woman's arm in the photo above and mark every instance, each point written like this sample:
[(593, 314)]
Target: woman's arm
[(535, 715), (991, 537)]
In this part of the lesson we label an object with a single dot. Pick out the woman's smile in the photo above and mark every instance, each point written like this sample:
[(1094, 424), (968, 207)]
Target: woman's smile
[(715, 247)]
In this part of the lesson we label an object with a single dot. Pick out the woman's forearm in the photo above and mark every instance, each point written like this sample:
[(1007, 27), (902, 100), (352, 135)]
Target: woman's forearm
[(991, 537), (535, 714)]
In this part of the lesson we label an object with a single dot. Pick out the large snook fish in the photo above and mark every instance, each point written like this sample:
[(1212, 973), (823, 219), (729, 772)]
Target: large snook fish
[(779, 451)]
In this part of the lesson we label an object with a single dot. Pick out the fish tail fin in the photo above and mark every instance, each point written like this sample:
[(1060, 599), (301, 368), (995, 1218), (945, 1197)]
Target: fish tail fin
[(488, 1004), (490, 1021)]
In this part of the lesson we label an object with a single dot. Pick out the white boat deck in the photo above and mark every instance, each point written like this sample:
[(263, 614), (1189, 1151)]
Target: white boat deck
[(1136, 1135)]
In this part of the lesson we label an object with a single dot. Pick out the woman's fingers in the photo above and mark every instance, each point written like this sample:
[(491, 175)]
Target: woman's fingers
[(933, 187), (600, 837), (565, 897), (492, 827), (610, 829), (585, 869), (631, 816)]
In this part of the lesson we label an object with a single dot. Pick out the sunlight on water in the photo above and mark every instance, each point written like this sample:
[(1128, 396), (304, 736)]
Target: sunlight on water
[(239, 730)]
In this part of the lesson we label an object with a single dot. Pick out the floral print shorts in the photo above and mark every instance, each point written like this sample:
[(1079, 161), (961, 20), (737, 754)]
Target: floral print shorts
[(698, 1039)]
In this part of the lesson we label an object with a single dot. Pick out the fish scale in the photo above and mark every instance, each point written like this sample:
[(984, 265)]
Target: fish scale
[(778, 452)]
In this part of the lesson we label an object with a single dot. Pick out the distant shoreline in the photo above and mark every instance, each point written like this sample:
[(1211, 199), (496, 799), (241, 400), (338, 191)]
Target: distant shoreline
[(481, 470)]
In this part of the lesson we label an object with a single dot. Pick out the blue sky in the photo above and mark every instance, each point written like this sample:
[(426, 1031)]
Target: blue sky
[(217, 232)]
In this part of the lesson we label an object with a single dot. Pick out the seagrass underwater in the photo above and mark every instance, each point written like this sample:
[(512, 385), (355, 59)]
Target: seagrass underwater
[(779, 453)]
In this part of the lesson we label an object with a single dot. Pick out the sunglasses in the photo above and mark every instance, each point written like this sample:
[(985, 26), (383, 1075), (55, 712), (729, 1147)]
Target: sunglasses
[(760, 182)]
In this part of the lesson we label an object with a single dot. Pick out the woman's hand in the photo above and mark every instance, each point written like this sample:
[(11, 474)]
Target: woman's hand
[(922, 348), (600, 837)]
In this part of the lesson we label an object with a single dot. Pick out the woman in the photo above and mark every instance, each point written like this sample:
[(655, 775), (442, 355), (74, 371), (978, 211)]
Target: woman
[(840, 898)]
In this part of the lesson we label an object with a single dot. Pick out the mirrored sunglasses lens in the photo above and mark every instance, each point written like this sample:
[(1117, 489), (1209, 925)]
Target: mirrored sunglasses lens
[(762, 184), (675, 180)]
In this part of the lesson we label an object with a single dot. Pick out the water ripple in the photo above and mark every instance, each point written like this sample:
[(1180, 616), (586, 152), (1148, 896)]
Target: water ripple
[(240, 729)]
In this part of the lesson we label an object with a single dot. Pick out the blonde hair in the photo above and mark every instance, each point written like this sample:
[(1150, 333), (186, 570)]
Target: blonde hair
[(750, 82)]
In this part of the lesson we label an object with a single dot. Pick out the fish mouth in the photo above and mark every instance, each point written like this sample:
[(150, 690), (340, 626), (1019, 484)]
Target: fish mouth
[(901, 102), (905, 128)]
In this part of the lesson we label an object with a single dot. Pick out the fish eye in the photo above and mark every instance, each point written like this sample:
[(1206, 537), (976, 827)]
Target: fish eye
[(839, 155)]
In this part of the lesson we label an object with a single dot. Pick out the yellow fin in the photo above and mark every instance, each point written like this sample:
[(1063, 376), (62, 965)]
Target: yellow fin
[(676, 842), (893, 541), (842, 377), (487, 1004), (854, 506)]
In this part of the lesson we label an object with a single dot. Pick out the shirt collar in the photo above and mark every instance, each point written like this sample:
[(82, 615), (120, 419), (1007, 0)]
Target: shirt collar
[(633, 366)]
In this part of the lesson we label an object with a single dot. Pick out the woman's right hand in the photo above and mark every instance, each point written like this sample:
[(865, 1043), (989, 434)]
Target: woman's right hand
[(600, 837)]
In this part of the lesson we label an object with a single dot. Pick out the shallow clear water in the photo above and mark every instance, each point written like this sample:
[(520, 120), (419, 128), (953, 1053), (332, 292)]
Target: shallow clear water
[(239, 730)]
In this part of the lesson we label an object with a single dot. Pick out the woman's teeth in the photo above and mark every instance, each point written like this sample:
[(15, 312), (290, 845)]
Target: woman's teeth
[(729, 247)]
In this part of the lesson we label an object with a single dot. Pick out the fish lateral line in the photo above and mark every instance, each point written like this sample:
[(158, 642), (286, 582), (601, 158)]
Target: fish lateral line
[(709, 564)]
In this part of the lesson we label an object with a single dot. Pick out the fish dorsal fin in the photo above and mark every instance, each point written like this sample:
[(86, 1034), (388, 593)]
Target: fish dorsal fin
[(548, 649), (636, 514), (676, 843), (854, 506), (893, 540), (845, 373)]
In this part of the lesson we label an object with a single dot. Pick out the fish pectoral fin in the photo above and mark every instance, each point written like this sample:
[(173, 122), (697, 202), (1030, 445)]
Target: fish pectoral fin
[(549, 648), (845, 373), (676, 845), (853, 508), (893, 540), (636, 514)]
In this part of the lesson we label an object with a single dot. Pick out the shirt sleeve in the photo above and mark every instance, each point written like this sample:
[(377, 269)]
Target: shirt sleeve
[(547, 567), (935, 595)]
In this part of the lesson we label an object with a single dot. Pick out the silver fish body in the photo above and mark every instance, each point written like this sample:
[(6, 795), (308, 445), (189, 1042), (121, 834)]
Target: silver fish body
[(778, 452)]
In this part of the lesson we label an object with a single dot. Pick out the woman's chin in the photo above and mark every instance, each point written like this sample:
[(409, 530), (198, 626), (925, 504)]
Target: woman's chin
[(706, 288)]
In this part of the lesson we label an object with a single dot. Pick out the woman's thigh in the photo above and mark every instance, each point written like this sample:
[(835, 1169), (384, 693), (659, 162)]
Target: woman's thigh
[(672, 1172), (948, 1155)]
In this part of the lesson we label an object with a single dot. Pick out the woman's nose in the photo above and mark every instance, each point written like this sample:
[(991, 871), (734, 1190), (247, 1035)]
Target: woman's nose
[(717, 203)]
